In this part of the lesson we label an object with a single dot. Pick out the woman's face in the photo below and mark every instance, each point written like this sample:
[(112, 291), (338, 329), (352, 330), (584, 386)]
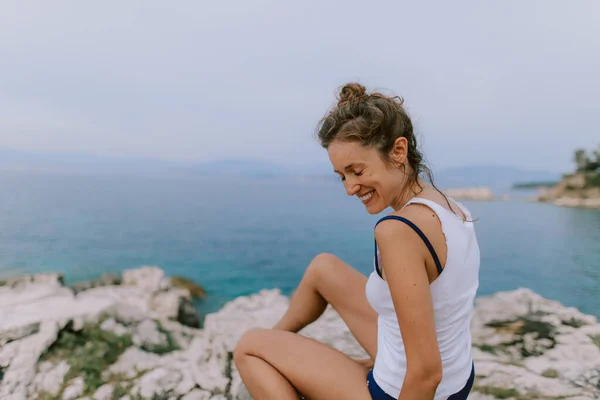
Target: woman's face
[(365, 174)]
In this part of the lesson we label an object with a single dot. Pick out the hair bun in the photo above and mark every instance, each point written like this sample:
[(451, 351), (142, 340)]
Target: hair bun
[(352, 93)]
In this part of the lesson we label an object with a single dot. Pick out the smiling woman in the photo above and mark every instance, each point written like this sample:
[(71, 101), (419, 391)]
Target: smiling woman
[(412, 314), (362, 122)]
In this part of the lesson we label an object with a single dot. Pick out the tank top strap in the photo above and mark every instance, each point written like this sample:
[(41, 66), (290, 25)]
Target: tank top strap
[(426, 202), (442, 212), (419, 232)]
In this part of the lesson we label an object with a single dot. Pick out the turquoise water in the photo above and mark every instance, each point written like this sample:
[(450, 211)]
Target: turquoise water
[(236, 236)]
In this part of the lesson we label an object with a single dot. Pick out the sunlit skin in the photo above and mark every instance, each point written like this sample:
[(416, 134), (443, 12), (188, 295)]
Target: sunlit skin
[(278, 363), (362, 171)]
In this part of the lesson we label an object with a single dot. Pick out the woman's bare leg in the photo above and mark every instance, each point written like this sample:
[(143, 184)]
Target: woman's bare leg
[(276, 364), (329, 280)]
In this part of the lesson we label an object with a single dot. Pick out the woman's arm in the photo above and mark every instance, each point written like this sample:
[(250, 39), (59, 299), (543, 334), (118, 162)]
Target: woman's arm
[(403, 258)]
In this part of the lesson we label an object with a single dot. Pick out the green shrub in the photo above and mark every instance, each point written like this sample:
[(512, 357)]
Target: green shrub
[(596, 340), (550, 373), (169, 346), (499, 393), (593, 180), (89, 352), (486, 348)]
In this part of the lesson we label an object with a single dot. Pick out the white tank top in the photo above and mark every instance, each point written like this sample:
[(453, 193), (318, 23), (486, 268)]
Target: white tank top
[(452, 292)]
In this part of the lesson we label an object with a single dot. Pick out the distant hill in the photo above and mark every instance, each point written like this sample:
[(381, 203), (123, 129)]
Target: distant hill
[(581, 189), (242, 167), (535, 185), (495, 177), (20, 160)]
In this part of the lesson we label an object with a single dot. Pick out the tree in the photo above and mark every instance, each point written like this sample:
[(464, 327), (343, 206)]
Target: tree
[(581, 160), (595, 162)]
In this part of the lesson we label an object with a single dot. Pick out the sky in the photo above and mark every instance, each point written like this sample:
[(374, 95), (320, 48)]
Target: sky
[(509, 82)]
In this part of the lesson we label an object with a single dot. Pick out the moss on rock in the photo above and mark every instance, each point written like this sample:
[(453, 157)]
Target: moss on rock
[(89, 352), (195, 290)]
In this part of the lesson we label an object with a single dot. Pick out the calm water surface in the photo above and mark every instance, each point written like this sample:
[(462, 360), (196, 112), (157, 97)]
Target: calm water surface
[(236, 236)]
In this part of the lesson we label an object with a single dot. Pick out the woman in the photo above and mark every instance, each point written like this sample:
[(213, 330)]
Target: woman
[(412, 314)]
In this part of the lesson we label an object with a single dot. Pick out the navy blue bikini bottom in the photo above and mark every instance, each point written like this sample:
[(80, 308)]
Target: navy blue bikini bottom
[(377, 392)]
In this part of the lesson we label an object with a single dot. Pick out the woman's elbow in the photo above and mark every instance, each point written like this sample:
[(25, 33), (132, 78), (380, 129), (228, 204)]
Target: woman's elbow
[(436, 376), (427, 375)]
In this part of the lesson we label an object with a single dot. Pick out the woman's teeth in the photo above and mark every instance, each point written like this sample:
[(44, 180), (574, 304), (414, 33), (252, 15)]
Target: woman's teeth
[(366, 196)]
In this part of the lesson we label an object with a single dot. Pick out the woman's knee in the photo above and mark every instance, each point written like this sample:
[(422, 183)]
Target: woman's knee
[(322, 263), (248, 344)]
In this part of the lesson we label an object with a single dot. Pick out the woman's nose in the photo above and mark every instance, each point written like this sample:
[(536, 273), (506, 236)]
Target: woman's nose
[(352, 188)]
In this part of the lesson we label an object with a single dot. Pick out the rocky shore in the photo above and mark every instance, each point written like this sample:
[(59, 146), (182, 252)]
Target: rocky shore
[(136, 336), (473, 193), (581, 190)]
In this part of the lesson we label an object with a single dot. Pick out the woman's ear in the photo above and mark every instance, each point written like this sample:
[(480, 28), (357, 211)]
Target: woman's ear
[(399, 150)]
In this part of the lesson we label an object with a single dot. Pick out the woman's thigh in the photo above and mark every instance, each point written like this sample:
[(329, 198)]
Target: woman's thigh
[(345, 289), (316, 370)]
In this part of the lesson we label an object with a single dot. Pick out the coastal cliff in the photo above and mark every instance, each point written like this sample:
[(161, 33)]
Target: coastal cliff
[(474, 193), (581, 189), (136, 337)]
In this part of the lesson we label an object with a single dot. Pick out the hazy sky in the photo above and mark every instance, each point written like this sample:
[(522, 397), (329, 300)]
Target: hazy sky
[(507, 82)]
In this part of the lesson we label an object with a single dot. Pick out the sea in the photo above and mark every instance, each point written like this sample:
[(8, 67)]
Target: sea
[(238, 235)]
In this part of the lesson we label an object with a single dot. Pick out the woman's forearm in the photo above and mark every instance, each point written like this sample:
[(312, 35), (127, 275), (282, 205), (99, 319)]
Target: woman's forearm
[(419, 386)]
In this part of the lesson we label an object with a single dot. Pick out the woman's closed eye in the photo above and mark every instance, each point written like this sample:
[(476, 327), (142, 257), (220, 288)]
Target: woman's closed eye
[(356, 173)]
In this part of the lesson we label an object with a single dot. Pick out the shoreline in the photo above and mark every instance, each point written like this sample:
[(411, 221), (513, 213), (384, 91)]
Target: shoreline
[(587, 199), (579, 190), (137, 340)]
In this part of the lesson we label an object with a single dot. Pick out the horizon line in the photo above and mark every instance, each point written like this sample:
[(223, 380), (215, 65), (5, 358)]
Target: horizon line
[(110, 157)]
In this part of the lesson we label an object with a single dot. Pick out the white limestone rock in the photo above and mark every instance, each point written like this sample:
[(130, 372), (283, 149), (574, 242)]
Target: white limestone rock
[(208, 361), (237, 390), (237, 316), (104, 392), (505, 306), (111, 325), (480, 355), (481, 396), (332, 330), (571, 361), (167, 303), (74, 390), (197, 394), (131, 361), (51, 278), (156, 382), (539, 337), (20, 358), (120, 296), (187, 382), (147, 278), (518, 337), (49, 379), (23, 307), (524, 381), (60, 307), (147, 335), (181, 334), (18, 332)]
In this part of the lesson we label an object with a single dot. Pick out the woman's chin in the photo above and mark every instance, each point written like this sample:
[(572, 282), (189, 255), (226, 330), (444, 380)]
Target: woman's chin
[(374, 208)]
